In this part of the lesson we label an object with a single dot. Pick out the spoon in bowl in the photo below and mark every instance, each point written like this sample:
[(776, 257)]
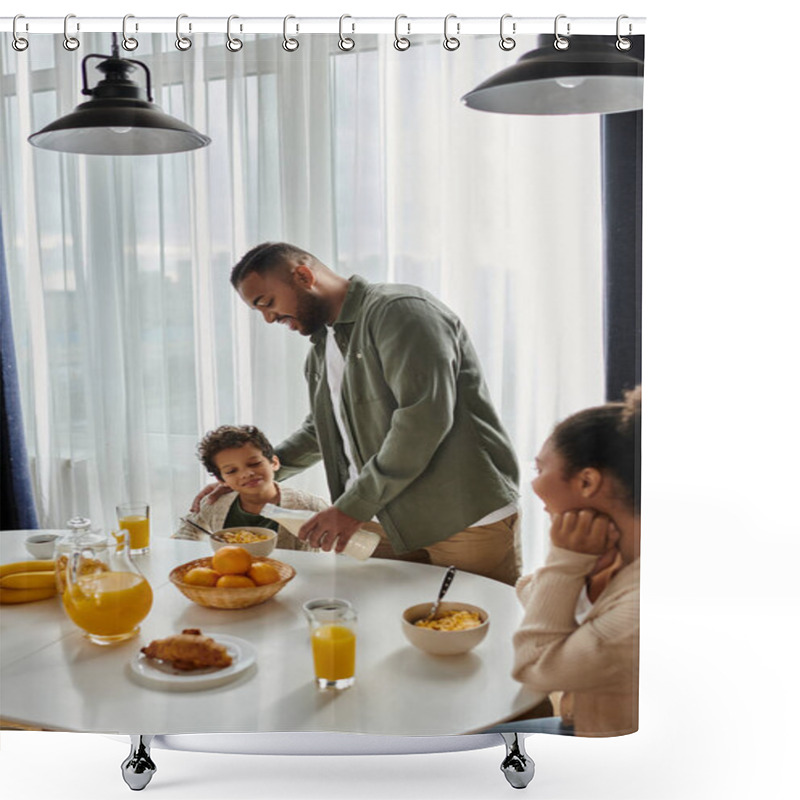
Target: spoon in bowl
[(195, 525), (448, 579)]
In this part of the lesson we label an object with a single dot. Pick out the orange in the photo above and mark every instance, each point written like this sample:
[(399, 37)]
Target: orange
[(231, 560), (201, 576), (234, 582), (263, 573)]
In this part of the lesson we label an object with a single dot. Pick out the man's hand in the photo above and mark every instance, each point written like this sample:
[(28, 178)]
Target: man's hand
[(585, 531), (328, 529), (213, 491)]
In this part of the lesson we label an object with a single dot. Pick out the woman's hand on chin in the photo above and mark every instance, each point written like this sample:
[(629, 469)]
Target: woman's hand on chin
[(585, 531)]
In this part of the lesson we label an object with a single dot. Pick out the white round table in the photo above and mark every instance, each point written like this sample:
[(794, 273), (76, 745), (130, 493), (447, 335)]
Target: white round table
[(52, 677)]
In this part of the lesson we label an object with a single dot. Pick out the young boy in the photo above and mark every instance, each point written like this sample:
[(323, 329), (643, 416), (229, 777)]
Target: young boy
[(242, 457)]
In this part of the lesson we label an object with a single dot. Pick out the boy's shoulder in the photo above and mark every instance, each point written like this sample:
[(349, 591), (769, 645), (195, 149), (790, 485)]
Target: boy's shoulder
[(220, 505), (300, 499)]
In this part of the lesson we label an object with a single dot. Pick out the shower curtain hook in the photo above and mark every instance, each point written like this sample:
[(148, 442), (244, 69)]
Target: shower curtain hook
[(289, 44), (561, 43), (70, 43), (234, 45), (128, 42), (345, 42), (182, 42), (451, 42), (506, 42), (20, 43), (623, 43), (400, 42)]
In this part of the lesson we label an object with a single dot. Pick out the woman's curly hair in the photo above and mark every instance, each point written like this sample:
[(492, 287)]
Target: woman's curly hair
[(226, 437)]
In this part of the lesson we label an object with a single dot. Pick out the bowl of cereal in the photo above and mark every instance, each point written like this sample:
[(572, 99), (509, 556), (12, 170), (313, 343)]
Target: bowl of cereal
[(456, 628), (257, 541)]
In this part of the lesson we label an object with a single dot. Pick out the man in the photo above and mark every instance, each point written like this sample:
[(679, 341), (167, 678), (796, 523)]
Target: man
[(400, 415)]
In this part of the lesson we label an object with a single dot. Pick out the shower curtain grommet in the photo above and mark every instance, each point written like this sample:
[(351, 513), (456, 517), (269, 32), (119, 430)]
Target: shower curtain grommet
[(182, 42), (71, 43), (507, 42), (451, 42), (233, 44), (289, 44), (561, 42), (345, 42), (401, 43), (19, 43), (623, 44), (129, 43)]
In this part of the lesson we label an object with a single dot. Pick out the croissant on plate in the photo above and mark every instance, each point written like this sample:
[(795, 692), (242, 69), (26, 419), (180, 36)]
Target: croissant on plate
[(189, 650)]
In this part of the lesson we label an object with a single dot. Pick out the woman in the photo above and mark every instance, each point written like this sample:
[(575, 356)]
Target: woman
[(580, 631)]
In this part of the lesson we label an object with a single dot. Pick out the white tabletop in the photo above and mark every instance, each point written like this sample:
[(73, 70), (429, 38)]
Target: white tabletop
[(53, 677)]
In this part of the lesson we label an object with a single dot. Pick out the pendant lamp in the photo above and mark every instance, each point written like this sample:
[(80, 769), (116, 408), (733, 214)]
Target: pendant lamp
[(590, 76), (118, 120)]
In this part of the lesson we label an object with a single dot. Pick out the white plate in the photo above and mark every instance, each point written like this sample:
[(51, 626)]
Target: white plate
[(162, 675)]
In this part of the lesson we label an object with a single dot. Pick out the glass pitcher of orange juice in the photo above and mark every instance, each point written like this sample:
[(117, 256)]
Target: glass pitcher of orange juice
[(106, 595), (332, 624)]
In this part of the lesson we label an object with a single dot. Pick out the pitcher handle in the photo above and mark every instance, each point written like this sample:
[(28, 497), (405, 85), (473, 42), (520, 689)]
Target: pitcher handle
[(74, 562), (123, 539)]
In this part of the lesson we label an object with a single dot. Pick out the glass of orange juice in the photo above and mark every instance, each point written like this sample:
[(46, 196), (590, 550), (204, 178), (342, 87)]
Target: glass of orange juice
[(135, 518), (332, 624), (106, 595)]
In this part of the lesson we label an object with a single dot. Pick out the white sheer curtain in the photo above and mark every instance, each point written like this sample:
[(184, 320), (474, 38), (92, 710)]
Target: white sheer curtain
[(132, 343)]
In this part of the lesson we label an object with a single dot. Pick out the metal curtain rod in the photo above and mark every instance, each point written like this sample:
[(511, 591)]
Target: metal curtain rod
[(299, 25)]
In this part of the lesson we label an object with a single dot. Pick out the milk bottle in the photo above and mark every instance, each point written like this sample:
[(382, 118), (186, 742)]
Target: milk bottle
[(361, 545)]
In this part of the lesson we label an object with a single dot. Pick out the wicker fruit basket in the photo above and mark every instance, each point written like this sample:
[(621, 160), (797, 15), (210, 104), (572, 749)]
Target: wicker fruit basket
[(215, 597)]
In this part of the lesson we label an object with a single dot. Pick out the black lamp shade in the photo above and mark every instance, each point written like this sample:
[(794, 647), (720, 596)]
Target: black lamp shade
[(118, 120), (118, 127), (590, 77)]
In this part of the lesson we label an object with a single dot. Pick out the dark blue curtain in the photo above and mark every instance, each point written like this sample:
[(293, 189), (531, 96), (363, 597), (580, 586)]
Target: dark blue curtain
[(622, 211), (621, 141), (17, 509)]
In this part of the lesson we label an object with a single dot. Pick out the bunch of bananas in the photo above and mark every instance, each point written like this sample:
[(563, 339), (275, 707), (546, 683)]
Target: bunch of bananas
[(26, 581)]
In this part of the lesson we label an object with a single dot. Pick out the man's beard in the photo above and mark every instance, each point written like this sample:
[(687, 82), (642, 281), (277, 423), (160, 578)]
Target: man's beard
[(312, 313)]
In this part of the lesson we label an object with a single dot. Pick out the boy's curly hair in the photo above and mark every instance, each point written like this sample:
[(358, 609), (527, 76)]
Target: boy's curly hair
[(227, 436)]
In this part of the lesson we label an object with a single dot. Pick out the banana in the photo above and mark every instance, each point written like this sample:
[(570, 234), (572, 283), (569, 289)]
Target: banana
[(25, 595), (44, 579), (26, 566)]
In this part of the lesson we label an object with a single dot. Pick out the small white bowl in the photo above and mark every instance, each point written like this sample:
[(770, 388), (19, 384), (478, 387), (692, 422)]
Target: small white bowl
[(443, 643), (41, 545), (261, 548)]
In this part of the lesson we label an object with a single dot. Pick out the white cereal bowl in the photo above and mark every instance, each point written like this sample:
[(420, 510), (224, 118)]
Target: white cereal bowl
[(443, 643), (41, 545), (261, 548)]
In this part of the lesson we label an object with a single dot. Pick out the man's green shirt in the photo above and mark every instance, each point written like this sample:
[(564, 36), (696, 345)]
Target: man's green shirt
[(431, 453)]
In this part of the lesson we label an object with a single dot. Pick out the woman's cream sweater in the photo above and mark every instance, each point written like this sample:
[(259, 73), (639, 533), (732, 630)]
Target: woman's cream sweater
[(597, 660)]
